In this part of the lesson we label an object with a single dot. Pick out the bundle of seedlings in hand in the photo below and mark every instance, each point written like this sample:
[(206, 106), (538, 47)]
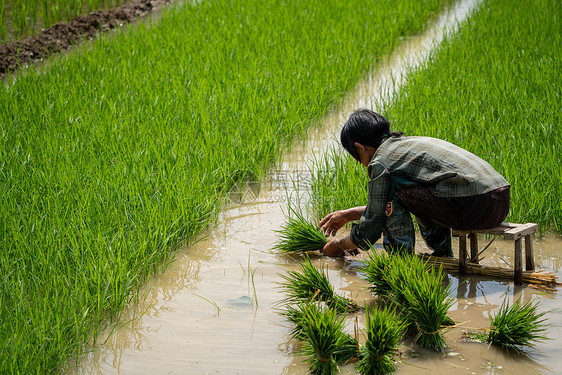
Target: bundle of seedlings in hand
[(384, 332), (299, 235), (311, 284), (517, 325), (325, 342)]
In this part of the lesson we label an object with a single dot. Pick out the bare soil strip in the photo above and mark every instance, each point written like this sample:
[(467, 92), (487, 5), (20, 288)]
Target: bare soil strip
[(64, 36)]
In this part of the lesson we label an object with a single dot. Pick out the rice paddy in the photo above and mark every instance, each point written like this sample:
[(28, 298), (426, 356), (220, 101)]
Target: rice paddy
[(115, 156), (490, 90)]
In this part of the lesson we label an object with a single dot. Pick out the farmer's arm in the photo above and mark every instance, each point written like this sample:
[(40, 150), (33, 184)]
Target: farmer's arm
[(369, 228), (335, 220)]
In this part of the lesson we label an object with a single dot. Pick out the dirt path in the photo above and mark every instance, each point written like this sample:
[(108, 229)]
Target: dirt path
[(64, 36)]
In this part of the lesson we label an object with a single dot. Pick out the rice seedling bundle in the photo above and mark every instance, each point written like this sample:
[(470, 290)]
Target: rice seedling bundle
[(376, 269), (325, 343), (116, 154), (416, 291), (517, 325), (427, 304), (384, 332), (299, 235), (312, 284)]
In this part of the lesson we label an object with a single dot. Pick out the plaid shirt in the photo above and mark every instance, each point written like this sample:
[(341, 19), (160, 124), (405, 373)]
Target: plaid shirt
[(448, 170)]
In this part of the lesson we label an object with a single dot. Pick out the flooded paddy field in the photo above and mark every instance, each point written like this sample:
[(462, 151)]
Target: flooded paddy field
[(117, 153), (214, 311)]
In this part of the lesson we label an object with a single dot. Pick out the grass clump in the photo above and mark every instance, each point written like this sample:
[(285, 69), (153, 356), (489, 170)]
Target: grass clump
[(312, 284), (517, 325), (384, 332), (299, 235)]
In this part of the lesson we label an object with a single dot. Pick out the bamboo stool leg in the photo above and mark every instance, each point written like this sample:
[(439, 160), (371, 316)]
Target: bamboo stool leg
[(529, 256), (517, 275), (462, 254), (473, 247)]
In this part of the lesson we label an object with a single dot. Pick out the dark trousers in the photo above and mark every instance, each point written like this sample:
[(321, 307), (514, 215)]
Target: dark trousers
[(436, 216)]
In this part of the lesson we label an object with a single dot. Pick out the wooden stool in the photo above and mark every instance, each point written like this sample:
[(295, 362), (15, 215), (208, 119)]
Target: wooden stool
[(509, 231)]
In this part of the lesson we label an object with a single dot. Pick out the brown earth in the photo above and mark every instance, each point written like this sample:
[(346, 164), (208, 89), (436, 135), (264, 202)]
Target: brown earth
[(63, 36)]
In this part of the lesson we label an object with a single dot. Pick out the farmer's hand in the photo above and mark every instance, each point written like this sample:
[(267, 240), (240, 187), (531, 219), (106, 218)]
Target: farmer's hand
[(333, 249), (333, 222)]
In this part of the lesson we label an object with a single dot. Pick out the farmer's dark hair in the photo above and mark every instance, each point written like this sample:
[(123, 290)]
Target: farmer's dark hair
[(366, 127)]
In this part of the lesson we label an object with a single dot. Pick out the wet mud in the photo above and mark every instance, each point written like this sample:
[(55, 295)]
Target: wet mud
[(63, 36)]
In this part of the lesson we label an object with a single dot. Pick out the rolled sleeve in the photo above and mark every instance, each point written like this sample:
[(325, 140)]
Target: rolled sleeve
[(369, 228)]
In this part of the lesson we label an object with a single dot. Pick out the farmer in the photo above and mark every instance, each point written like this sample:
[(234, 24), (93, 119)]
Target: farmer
[(443, 185)]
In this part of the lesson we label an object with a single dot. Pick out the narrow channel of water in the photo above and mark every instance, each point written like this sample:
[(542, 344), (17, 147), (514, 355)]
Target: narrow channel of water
[(214, 310)]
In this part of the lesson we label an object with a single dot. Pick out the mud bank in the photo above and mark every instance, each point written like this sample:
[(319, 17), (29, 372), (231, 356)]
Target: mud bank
[(64, 36)]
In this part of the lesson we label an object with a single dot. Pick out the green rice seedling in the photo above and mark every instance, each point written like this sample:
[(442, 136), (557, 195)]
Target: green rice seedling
[(325, 343), (418, 292), (517, 325), (338, 182), (376, 268), (299, 235), (384, 332), (426, 305), (295, 316), (312, 284)]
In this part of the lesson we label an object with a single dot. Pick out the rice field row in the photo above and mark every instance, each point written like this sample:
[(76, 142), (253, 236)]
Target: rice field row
[(493, 88), (20, 18), (115, 155)]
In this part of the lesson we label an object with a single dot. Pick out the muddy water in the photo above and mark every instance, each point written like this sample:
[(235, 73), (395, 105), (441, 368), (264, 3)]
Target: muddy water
[(214, 311)]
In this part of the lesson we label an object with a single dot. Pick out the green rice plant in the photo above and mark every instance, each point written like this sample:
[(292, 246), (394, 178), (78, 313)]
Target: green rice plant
[(299, 235), (517, 325), (376, 269), (312, 284), (325, 343), (384, 332), (338, 182)]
